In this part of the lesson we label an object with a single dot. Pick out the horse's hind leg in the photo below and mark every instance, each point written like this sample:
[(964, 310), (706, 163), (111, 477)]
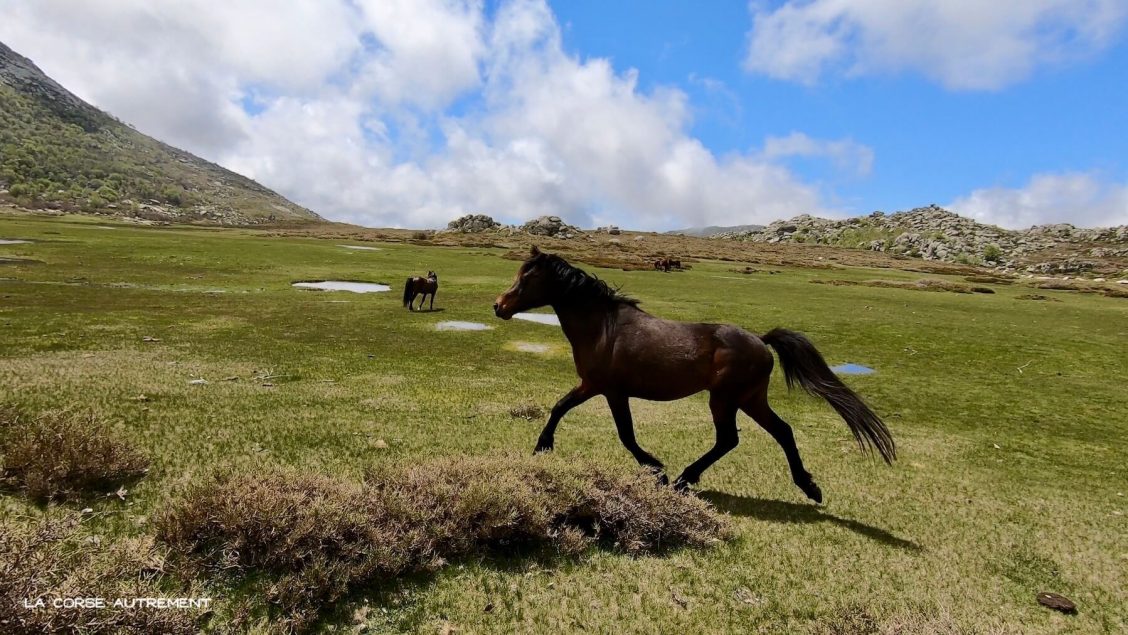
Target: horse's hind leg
[(624, 424), (422, 299), (724, 419), (759, 410), (431, 307)]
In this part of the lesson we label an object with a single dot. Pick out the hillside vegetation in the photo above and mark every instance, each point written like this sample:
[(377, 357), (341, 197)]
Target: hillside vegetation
[(58, 152)]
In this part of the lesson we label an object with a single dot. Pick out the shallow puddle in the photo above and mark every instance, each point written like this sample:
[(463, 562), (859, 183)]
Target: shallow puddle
[(342, 285), (853, 369), (540, 318), (458, 325), (13, 241)]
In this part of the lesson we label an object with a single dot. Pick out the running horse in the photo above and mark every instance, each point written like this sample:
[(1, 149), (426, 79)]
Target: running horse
[(425, 286), (622, 352)]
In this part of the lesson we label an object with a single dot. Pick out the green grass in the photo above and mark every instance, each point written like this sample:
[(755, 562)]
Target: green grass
[(1010, 482)]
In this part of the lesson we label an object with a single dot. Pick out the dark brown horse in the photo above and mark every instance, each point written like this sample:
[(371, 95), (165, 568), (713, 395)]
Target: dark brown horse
[(666, 264), (622, 352), (425, 286)]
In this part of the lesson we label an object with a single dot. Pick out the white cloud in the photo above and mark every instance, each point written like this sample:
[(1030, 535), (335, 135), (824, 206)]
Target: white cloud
[(846, 154), (390, 112), (963, 44), (1084, 199)]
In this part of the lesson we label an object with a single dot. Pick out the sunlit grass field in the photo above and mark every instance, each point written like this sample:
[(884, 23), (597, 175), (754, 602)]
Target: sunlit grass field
[(1010, 416)]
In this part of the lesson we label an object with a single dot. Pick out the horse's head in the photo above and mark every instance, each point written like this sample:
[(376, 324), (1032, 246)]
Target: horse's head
[(431, 275), (533, 287)]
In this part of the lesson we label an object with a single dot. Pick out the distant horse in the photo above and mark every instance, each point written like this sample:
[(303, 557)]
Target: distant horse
[(666, 264), (425, 286), (620, 351)]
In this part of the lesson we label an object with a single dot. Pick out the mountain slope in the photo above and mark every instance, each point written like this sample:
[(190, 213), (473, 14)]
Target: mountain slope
[(60, 152)]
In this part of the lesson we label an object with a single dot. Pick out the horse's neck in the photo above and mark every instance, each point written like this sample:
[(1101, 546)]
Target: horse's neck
[(585, 324)]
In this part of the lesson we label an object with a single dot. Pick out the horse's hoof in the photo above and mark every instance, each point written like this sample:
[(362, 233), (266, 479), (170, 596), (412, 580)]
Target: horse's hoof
[(663, 480), (682, 484), (813, 492), (542, 448)]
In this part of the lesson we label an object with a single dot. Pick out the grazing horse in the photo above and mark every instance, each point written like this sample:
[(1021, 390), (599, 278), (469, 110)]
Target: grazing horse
[(425, 286), (662, 264), (620, 352)]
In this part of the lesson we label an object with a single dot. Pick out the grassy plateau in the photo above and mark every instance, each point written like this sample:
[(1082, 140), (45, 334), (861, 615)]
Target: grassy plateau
[(1010, 416)]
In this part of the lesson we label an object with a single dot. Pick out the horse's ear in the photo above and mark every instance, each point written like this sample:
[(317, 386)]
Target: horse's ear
[(534, 252)]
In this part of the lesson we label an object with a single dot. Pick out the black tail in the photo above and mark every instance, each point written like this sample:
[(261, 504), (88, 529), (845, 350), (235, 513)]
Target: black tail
[(407, 293), (804, 365)]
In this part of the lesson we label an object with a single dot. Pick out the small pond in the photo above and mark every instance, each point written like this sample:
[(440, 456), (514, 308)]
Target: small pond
[(853, 369), (344, 285)]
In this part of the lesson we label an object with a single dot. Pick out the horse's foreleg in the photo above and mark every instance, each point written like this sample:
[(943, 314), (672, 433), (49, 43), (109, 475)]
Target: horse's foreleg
[(575, 397), (432, 306), (422, 299), (724, 419), (621, 411), (781, 432)]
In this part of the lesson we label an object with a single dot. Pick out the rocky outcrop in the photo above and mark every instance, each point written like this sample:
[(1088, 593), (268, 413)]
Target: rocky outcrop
[(472, 224), (551, 226), (934, 233)]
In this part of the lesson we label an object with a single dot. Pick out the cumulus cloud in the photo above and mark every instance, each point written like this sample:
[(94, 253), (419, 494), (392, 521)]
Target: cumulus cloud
[(962, 44), (847, 155), (1047, 198), (408, 113)]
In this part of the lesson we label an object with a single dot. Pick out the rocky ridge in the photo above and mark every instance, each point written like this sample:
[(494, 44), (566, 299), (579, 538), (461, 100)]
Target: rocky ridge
[(550, 226), (934, 233)]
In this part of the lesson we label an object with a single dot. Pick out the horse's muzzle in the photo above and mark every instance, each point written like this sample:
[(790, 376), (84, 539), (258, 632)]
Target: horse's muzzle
[(501, 313)]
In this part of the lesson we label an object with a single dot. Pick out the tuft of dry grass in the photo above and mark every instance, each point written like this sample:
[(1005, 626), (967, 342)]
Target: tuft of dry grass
[(528, 412), (63, 455), (318, 538), (53, 557)]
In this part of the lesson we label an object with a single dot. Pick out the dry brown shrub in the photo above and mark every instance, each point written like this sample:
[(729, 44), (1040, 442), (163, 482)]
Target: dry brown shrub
[(54, 557), (1116, 292), (63, 455), (318, 538)]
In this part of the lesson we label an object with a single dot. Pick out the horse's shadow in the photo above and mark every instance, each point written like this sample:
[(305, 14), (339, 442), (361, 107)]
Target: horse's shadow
[(784, 512), (435, 310)]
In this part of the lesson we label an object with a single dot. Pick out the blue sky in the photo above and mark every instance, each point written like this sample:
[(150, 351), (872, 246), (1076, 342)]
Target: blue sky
[(649, 115), (931, 144)]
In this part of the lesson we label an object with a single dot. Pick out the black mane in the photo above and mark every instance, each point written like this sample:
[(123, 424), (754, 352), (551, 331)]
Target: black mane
[(579, 284)]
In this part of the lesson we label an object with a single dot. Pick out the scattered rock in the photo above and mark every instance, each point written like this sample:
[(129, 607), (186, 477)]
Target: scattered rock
[(1057, 603), (149, 338), (198, 382)]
